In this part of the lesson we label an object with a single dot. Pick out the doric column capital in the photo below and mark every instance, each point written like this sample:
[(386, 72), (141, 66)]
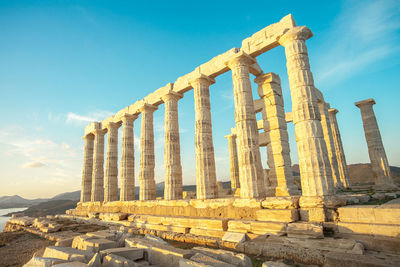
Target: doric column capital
[(295, 33), (89, 136), (147, 108), (112, 125), (268, 83), (333, 111), (129, 118), (230, 136), (366, 102), (267, 78), (240, 58), (171, 95), (99, 132), (201, 78)]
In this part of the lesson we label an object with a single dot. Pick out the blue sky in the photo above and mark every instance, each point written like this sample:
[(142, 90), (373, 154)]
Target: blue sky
[(65, 63)]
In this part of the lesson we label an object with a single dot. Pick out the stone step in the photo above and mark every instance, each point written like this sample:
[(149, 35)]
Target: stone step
[(272, 215), (207, 232), (257, 227), (305, 230)]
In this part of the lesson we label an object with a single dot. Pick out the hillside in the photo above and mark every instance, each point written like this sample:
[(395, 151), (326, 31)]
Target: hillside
[(50, 207)]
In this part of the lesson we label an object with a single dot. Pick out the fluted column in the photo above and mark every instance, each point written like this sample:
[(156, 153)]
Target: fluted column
[(98, 166), (278, 150), (128, 159), (233, 159), (87, 170), (147, 161), (111, 173), (376, 151), (250, 168), (330, 144), (341, 159), (172, 153), (314, 163), (206, 181)]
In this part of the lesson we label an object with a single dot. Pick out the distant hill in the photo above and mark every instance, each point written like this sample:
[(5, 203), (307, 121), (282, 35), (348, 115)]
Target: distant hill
[(17, 202), (76, 195), (51, 207)]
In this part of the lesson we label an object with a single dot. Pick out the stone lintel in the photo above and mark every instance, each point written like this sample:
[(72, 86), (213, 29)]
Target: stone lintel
[(91, 127), (333, 111), (365, 102)]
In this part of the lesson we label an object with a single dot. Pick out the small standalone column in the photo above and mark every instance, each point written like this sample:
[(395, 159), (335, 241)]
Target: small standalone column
[(341, 159), (172, 153), (314, 163), (376, 151), (250, 168), (111, 186), (98, 166), (87, 168), (206, 181), (278, 150), (128, 159), (330, 145), (234, 163), (147, 162)]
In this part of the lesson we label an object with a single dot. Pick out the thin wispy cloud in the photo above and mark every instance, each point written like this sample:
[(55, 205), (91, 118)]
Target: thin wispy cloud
[(98, 115), (34, 164), (363, 34)]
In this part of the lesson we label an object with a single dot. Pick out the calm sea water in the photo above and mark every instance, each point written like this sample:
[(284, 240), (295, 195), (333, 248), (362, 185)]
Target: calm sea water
[(4, 219)]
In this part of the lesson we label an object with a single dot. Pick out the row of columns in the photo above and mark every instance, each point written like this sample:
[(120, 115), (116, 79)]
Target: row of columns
[(317, 136)]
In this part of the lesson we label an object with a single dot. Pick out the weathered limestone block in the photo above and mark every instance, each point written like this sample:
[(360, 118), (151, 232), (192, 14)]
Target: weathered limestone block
[(86, 190), (71, 264), (334, 259), (106, 234), (160, 254), (112, 260), (255, 227), (281, 202), (209, 261), (234, 237), (369, 214), (95, 261), (233, 159), (330, 145), (251, 174), (205, 161), (111, 173), (118, 216), (98, 167), (387, 230), (313, 214), (313, 155), (98, 244), (128, 159), (305, 230), (341, 159), (65, 242), (66, 253), (237, 259), (147, 162), (274, 124), (283, 215), (132, 254), (43, 262), (376, 151), (274, 264), (207, 232), (172, 154)]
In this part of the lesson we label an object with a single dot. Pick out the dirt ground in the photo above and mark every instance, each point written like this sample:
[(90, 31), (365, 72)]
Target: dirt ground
[(17, 248)]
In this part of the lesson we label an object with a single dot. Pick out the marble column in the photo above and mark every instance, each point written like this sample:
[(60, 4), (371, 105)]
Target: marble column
[(98, 166), (206, 181), (111, 172), (87, 170), (330, 144), (128, 159), (147, 161), (376, 151), (278, 150), (341, 159), (172, 152), (234, 163), (315, 170), (251, 174)]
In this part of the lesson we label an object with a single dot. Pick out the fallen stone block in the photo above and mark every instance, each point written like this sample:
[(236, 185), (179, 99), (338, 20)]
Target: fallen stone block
[(112, 260), (95, 245), (43, 262), (130, 253), (210, 261), (237, 259), (268, 228), (106, 234), (66, 253), (334, 259), (115, 216), (95, 261), (79, 241), (281, 202), (270, 215), (274, 264), (305, 230), (234, 237), (71, 264), (189, 263)]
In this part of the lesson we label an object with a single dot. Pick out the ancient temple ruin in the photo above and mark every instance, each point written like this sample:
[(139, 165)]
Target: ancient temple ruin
[(260, 202)]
